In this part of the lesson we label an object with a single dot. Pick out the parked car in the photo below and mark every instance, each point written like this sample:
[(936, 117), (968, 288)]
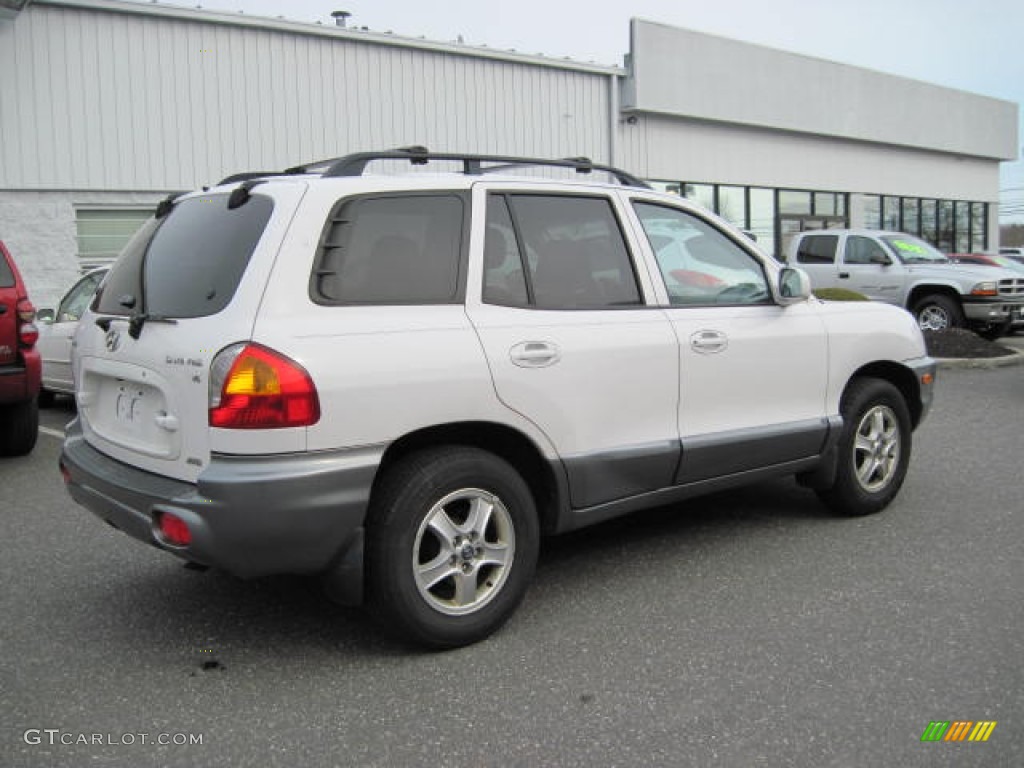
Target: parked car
[(906, 271), (1017, 254), (56, 333), (998, 261), (19, 362), (401, 382)]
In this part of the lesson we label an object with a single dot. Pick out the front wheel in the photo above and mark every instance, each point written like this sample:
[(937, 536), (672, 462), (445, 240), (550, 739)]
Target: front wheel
[(938, 313), (874, 448), (452, 542)]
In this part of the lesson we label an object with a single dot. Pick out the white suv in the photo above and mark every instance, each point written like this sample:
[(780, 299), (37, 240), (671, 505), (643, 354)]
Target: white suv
[(401, 382)]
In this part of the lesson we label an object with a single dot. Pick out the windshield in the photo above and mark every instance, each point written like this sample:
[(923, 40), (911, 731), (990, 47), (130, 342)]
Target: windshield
[(911, 250)]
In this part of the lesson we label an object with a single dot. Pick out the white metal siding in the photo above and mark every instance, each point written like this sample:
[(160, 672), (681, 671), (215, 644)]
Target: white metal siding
[(100, 100), (682, 72), (690, 150)]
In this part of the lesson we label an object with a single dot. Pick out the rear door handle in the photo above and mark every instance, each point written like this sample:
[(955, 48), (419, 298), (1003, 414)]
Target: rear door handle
[(535, 354), (844, 275)]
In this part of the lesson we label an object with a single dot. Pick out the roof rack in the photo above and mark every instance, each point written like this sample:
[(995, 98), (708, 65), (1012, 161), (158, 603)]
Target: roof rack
[(472, 165)]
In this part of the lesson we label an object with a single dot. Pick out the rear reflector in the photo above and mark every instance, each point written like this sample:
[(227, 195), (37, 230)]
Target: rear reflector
[(28, 334), (173, 529)]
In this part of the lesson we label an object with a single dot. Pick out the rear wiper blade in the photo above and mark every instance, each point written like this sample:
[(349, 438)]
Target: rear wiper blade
[(136, 321)]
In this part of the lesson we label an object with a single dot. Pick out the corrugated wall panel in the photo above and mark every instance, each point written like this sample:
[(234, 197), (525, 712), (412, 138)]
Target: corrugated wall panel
[(104, 100)]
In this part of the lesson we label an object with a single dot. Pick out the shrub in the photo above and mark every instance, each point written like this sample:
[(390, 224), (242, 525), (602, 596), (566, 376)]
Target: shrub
[(839, 294)]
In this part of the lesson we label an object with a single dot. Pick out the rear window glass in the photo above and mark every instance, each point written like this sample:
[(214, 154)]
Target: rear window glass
[(391, 250), (6, 276), (188, 264)]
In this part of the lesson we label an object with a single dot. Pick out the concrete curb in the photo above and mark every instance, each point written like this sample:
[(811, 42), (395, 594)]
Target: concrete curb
[(1014, 358)]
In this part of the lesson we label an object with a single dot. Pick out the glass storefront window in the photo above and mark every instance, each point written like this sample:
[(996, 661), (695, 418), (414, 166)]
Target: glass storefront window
[(928, 231), (825, 203), (911, 221), (841, 204), (891, 214), (963, 226), (701, 193), (671, 187), (791, 201), (762, 218), (732, 205), (944, 239), (872, 212), (979, 235)]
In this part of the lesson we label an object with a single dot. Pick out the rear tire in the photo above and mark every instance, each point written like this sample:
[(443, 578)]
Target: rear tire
[(19, 428), (938, 312), (46, 398), (874, 448), (452, 542)]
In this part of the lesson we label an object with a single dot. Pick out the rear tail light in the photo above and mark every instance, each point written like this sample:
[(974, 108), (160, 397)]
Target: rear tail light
[(252, 387), (28, 334), (26, 311), (173, 529)]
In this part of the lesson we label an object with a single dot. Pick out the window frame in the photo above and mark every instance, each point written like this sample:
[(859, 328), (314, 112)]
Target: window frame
[(629, 246), (459, 297), (655, 266)]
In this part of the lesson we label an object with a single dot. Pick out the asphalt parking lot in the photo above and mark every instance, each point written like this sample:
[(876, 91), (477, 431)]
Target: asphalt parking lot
[(746, 628)]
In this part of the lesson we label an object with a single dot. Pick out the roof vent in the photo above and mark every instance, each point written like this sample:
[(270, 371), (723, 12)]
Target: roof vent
[(341, 18)]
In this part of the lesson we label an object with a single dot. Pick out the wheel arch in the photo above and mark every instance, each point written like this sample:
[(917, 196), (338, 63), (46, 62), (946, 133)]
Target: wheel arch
[(546, 479), (918, 292), (900, 377)]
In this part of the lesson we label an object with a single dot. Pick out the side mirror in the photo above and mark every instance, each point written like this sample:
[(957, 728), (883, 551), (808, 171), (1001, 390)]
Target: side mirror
[(794, 286), (880, 258), (45, 316)]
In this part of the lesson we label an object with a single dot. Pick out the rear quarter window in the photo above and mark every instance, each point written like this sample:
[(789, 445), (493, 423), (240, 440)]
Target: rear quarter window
[(817, 249), (6, 275), (401, 249)]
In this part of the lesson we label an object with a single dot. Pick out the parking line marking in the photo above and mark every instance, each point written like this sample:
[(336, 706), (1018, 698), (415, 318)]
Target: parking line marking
[(52, 432)]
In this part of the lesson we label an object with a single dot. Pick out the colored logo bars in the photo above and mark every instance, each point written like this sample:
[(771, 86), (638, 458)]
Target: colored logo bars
[(958, 730)]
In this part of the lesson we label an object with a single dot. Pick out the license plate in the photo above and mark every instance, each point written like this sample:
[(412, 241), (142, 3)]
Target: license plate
[(129, 406)]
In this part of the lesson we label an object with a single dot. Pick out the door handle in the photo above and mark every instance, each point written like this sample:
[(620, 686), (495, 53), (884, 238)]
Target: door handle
[(535, 354), (844, 275), (708, 342)]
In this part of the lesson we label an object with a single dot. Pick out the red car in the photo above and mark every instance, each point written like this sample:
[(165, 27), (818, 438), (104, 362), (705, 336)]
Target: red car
[(20, 365)]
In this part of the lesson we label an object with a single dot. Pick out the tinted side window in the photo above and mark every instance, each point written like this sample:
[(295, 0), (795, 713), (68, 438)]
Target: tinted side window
[(860, 250), (817, 249), (391, 250), (576, 256), (699, 264), (504, 278)]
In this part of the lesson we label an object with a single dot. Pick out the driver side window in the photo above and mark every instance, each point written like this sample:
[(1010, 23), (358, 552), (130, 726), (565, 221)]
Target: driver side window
[(699, 264)]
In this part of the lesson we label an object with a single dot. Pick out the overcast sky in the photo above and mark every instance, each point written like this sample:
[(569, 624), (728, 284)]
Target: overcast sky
[(977, 46)]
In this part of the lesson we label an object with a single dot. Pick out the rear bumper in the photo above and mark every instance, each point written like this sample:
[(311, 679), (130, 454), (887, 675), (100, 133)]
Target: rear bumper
[(249, 516), (20, 381)]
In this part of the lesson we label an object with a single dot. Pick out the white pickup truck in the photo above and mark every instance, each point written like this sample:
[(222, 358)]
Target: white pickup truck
[(901, 269)]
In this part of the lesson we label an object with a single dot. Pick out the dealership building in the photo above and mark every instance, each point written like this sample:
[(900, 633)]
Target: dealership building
[(106, 106)]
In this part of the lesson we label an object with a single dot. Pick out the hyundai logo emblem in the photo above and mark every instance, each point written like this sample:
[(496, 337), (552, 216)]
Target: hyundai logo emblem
[(113, 339)]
